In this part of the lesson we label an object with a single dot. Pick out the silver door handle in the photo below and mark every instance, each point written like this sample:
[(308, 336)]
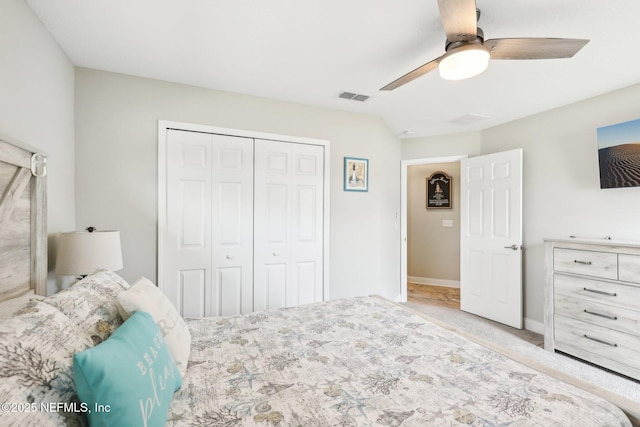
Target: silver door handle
[(229, 256), (512, 247), (276, 254)]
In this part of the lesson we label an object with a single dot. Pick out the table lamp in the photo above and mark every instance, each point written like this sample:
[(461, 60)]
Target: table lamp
[(82, 252)]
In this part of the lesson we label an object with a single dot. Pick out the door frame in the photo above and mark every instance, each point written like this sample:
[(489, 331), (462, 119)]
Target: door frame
[(164, 125), (404, 167)]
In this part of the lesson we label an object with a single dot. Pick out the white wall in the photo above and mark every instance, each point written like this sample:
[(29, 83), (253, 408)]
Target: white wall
[(116, 169), (36, 108), (465, 143), (562, 194)]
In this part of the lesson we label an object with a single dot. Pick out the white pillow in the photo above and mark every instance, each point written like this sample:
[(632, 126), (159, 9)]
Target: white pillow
[(145, 296)]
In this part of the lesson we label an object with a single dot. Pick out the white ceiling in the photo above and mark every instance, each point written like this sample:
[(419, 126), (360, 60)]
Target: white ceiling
[(308, 51)]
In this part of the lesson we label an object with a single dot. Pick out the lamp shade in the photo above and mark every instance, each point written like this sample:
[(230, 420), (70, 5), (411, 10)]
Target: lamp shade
[(81, 253), (464, 62)]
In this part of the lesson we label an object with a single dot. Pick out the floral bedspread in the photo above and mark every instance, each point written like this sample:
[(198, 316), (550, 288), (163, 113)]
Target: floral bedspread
[(364, 362)]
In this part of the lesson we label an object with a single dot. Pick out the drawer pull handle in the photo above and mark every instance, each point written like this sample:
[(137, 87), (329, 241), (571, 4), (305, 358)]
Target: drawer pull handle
[(595, 291), (600, 341), (582, 262), (606, 316)]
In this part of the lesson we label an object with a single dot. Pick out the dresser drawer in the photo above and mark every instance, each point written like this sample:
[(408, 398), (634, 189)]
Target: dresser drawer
[(595, 313), (629, 268), (614, 350), (589, 263), (613, 294)]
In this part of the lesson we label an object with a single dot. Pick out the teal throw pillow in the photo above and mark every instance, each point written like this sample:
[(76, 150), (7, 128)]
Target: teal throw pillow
[(129, 379)]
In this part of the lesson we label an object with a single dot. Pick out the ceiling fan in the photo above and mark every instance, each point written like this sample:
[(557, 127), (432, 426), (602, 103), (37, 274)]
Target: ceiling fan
[(468, 53)]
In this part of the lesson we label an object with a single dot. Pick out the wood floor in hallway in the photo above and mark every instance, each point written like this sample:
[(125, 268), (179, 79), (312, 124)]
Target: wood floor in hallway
[(431, 294)]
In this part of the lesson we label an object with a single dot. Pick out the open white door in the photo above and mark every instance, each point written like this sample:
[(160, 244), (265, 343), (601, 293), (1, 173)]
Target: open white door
[(491, 237)]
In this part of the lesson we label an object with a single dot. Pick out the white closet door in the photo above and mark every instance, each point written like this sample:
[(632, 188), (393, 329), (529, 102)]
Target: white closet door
[(232, 225), (208, 247), (288, 221)]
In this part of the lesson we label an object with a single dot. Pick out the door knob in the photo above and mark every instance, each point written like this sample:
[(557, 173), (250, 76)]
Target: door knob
[(229, 256), (276, 254), (512, 247)]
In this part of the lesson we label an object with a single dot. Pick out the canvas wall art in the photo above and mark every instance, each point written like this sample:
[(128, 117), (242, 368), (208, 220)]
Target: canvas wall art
[(619, 155)]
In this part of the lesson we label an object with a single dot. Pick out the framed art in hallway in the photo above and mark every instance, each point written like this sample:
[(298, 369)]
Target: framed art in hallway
[(439, 191), (356, 174)]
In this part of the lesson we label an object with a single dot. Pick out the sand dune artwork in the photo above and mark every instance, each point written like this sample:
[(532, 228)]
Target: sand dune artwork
[(619, 155)]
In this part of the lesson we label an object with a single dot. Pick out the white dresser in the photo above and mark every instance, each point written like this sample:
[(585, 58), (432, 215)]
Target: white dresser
[(592, 302)]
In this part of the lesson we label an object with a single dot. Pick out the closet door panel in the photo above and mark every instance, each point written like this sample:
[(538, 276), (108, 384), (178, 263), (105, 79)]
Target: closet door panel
[(272, 292), (229, 212), (209, 239), (232, 225), (288, 224), (271, 221), (307, 277), (307, 219), (188, 252), (192, 291), (229, 291), (307, 213), (192, 213), (276, 207)]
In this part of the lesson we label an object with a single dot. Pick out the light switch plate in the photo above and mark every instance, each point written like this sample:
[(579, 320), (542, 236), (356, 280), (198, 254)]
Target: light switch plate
[(447, 223)]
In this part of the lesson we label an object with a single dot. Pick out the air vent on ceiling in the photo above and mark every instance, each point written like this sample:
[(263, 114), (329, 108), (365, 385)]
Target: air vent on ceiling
[(469, 119), (353, 96)]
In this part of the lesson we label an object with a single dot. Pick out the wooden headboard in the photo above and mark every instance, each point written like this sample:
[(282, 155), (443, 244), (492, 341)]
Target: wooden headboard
[(23, 220)]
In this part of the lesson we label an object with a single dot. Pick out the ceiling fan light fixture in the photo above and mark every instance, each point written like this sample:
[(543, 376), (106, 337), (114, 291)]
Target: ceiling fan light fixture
[(464, 61)]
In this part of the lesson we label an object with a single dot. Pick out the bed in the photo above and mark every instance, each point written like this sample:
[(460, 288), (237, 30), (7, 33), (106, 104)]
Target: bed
[(364, 361), (361, 361)]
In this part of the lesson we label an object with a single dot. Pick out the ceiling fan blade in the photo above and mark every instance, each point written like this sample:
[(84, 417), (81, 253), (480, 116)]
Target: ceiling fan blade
[(534, 48), (420, 71), (459, 19)]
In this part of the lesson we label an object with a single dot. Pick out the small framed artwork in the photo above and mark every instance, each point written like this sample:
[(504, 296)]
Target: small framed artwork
[(356, 174), (439, 191)]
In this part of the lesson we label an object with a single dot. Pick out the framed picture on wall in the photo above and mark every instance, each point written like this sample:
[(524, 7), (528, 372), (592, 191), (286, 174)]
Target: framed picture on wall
[(439, 191), (619, 154), (356, 174)]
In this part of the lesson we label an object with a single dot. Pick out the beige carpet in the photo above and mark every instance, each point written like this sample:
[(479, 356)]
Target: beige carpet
[(520, 343)]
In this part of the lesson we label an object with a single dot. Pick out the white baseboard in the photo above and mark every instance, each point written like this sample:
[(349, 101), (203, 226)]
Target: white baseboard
[(434, 282), (534, 326)]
